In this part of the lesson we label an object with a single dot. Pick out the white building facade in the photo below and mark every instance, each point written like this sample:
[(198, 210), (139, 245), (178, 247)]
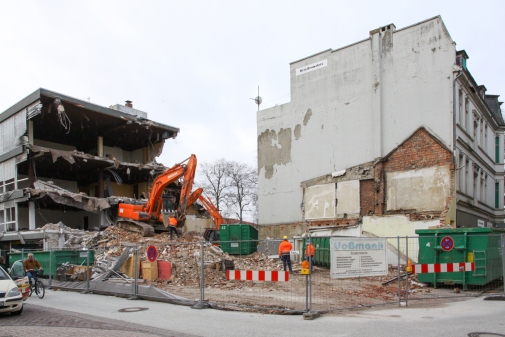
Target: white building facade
[(343, 150)]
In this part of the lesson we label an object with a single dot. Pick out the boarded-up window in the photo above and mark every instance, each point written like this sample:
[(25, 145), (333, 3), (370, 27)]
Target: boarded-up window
[(421, 190), (347, 198), (320, 202)]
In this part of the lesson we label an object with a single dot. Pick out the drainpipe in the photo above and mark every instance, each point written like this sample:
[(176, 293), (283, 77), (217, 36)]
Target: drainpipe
[(454, 133), (454, 114)]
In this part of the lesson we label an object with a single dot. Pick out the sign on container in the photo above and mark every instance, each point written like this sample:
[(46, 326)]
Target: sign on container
[(354, 257)]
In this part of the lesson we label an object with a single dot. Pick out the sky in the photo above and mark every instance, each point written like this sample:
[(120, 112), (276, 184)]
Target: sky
[(196, 65)]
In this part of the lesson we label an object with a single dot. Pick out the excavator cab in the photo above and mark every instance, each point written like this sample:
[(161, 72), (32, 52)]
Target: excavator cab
[(212, 235)]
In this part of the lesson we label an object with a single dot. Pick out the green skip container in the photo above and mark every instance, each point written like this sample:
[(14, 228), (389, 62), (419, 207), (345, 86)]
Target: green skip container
[(321, 250), (238, 239), (51, 260), (482, 246)]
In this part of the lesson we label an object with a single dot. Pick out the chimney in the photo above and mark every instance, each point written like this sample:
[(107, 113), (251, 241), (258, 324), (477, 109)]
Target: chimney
[(129, 104)]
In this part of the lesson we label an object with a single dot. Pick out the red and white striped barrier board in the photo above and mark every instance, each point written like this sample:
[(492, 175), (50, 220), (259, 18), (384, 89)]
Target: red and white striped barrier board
[(442, 267), (258, 275)]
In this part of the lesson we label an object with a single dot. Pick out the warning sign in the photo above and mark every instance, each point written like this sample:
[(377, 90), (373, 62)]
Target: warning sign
[(447, 243), (353, 257), (152, 253)]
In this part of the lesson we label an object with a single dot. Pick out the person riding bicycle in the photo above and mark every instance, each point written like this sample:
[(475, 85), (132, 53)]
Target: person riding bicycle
[(31, 265)]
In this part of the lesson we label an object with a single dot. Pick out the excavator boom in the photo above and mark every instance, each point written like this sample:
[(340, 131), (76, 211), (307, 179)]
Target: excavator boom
[(132, 217), (214, 213)]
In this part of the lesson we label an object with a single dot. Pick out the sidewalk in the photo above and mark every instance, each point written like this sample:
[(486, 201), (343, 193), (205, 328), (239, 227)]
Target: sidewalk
[(450, 319)]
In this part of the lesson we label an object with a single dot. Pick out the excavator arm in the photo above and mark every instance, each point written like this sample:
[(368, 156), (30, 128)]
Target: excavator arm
[(187, 185), (214, 213)]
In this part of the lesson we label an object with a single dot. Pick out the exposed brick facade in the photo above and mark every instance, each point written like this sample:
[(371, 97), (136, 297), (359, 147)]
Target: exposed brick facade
[(367, 197), (421, 150)]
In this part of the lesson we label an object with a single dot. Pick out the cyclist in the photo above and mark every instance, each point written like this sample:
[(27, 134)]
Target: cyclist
[(31, 265)]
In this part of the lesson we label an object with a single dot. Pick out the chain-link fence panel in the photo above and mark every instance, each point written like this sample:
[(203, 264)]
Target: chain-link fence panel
[(248, 279)]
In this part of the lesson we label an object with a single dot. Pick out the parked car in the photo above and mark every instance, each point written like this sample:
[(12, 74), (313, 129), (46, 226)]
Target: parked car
[(17, 274), (11, 299)]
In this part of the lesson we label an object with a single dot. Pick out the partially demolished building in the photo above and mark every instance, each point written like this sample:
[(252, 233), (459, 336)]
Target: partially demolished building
[(385, 136), (67, 160)]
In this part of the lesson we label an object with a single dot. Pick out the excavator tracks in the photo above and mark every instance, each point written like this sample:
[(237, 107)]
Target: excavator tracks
[(135, 226)]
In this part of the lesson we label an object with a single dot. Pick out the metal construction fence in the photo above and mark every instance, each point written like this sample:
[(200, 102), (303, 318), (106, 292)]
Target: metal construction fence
[(249, 276)]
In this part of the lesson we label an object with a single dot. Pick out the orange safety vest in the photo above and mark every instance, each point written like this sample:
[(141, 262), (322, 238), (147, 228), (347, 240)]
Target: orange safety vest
[(309, 250), (285, 247), (173, 222)]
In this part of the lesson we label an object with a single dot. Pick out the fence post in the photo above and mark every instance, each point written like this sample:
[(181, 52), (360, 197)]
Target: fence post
[(50, 268), (406, 272), (87, 271), (399, 280), (310, 278), (202, 275), (503, 259), (201, 304), (136, 266)]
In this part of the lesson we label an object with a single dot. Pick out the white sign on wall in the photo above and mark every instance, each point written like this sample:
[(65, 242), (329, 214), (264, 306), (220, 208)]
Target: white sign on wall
[(311, 67), (353, 257), (480, 223)]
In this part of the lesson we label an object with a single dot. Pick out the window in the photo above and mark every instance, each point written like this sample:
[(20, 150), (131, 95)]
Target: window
[(481, 140), (485, 189), (461, 173), (474, 192), (475, 129), (467, 165), (485, 138), (497, 149), (496, 195), (481, 197), (460, 101), (467, 114)]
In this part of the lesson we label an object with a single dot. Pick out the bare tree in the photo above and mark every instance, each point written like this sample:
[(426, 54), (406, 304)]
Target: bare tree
[(216, 181), (243, 191)]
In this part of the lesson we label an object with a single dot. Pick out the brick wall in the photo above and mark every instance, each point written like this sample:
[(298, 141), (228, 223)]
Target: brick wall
[(367, 197), (421, 150)]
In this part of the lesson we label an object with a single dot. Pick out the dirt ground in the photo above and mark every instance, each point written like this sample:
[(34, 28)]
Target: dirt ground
[(328, 294)]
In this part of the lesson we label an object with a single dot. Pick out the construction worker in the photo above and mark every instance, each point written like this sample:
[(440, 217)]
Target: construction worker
[(309, 254), (172, 225), (284, 253)]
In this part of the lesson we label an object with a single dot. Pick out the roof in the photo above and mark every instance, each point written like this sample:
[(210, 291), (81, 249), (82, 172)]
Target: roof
[(88, 120)]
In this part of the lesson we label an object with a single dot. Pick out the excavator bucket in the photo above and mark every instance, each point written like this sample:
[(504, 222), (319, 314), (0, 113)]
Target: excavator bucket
[(166, 216)]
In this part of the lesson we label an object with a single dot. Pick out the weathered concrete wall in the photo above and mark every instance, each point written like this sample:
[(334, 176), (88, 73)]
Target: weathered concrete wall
[(320, 202), (421, 190), (348, 198), (357, 107), (194, 224), (394, 225)]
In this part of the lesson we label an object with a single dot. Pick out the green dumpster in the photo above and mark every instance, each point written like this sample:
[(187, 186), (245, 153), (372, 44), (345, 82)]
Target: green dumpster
[(51, 260), (239, 239), (482, 246), (321, 251)]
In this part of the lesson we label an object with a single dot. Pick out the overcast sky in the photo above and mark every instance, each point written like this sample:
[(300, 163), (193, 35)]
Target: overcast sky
[(196, 64)]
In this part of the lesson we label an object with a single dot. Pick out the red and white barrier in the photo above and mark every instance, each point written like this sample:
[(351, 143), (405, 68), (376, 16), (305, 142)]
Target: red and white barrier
[(258, 275), (442, 267)]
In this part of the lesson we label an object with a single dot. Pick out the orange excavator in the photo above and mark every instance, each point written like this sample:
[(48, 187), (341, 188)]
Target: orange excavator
[(210, 234), (137, 215)]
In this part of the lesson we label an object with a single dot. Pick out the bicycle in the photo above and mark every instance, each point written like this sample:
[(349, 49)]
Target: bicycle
[(37, 286)]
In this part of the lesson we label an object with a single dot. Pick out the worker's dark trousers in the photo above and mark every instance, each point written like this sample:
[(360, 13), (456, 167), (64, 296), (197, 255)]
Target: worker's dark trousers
[(173, 229), (286, 259)]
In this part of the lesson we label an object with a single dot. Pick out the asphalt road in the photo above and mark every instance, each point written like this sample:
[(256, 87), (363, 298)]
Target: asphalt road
[(75, 314)]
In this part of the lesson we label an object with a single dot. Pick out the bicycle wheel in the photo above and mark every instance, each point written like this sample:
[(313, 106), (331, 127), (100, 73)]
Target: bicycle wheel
[(31, 290), (39, 289)]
